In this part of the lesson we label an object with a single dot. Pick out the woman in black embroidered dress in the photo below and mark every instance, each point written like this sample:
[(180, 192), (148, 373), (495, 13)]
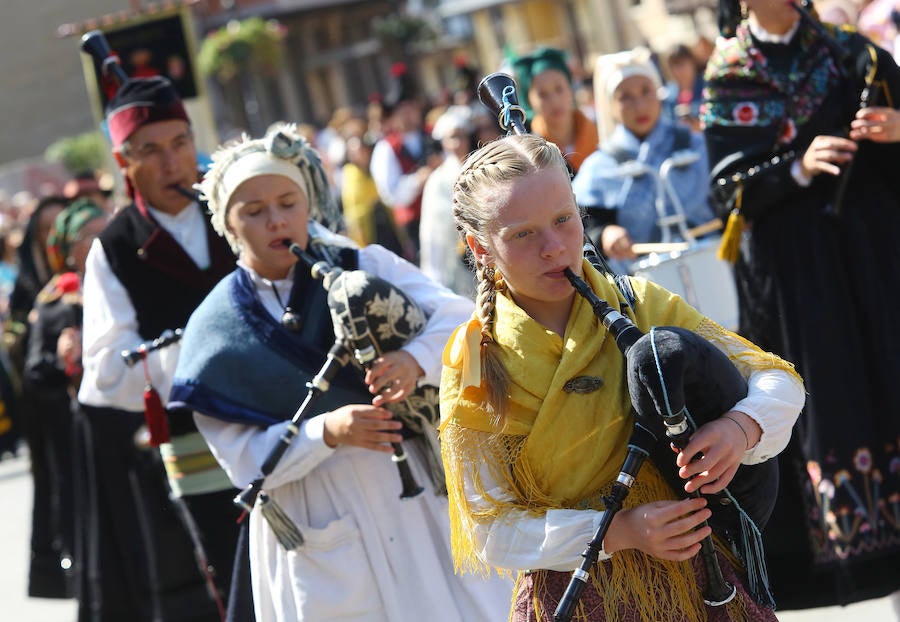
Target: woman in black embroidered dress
[(816, 275)]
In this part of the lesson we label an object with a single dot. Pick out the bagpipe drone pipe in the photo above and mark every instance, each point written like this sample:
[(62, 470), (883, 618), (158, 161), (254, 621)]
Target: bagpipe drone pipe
[(872, 93), (95, 45), (677, 381)]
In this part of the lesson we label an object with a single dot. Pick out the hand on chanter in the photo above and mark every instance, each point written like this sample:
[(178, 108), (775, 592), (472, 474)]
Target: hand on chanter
[(393, 376), (363, 426), (826, 154), (664, 529), (878, 124), (722, 443)]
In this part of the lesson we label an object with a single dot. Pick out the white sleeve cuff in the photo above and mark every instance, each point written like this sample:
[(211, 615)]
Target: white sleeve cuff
[(774, 401), (797, 173)]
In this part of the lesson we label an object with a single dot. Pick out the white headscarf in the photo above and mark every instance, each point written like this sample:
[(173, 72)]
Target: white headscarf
[(282, 151), (454, 118), (610, 70)]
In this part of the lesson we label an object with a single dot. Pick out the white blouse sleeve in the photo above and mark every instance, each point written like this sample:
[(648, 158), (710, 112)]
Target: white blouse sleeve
[(445, 310), (241, 450), (774, 400), (521, 541), (110, 326), (393, 186)]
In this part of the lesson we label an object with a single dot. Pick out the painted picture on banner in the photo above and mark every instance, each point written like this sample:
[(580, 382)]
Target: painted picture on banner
[(150, 48)]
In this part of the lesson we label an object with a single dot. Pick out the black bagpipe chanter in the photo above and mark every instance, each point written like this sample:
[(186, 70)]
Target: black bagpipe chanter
[(740, 170), (677, 381), (872, 93)]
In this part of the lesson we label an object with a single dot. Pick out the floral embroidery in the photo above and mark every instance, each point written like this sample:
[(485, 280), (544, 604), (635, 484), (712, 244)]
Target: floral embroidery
[(854, 511), (784, 100), (745, 113)]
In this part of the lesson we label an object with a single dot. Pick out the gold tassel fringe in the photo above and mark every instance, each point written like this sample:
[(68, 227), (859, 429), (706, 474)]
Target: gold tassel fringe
[(729, 247)]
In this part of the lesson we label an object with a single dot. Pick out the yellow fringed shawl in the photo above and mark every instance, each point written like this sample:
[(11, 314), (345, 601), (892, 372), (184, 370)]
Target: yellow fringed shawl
[(556, 449)]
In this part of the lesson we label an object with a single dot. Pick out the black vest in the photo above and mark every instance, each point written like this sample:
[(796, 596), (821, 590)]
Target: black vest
[(162, 281)]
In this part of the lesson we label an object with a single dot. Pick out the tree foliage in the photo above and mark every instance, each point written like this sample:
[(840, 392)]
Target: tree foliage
[(79, 153)]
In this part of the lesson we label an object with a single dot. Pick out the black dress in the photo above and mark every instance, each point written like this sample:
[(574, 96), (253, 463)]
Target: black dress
[(52, 386), (140, 559), (818, 285)]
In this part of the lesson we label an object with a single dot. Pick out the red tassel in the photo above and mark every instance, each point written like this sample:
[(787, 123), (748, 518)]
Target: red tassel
[(155, 416)]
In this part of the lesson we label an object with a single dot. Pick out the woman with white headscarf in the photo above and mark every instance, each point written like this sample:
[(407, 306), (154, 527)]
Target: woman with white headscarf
[(247, 354), (617, 184)]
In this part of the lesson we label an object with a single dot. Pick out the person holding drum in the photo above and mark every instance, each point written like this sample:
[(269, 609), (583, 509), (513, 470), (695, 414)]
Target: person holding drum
[(364, 553), (803, 132), (647, 168)]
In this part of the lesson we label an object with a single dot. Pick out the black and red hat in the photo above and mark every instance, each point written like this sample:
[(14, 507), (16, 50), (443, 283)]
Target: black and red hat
[(141, 101)]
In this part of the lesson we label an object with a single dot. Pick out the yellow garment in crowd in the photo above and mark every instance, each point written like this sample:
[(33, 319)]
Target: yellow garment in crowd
[(358, 198), (555, 449)]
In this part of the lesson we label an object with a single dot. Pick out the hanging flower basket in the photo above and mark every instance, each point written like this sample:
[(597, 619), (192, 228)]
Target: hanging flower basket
[(253, 42), (403, 30)]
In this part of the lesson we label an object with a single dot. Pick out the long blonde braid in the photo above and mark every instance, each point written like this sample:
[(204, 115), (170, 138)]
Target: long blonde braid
[(474, 207), (496, 377)]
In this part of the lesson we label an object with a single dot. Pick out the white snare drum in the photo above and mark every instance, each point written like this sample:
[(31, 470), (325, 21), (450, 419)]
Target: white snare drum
[(697, 275)]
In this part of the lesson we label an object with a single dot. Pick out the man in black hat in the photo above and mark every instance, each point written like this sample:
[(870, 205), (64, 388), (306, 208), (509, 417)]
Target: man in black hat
[(401, 158), (150, 267)]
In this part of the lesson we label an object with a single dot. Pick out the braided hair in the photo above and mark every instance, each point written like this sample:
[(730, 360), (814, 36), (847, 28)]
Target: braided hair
[(475, 192)]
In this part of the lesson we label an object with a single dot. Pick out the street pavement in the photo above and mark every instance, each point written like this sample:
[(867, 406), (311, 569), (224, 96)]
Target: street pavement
[(15, 531)]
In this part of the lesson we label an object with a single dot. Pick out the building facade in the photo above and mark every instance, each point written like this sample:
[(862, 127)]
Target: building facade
[(335, 55)]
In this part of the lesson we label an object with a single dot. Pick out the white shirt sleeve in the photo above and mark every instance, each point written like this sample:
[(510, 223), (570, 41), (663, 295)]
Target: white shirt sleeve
[(110, 326), (393, 186), (521, 541), (774, 400), (445, 310), (241, 449)]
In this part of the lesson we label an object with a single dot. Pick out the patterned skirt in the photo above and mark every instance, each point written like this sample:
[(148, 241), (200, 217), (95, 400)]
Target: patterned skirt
[(538, 593)]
